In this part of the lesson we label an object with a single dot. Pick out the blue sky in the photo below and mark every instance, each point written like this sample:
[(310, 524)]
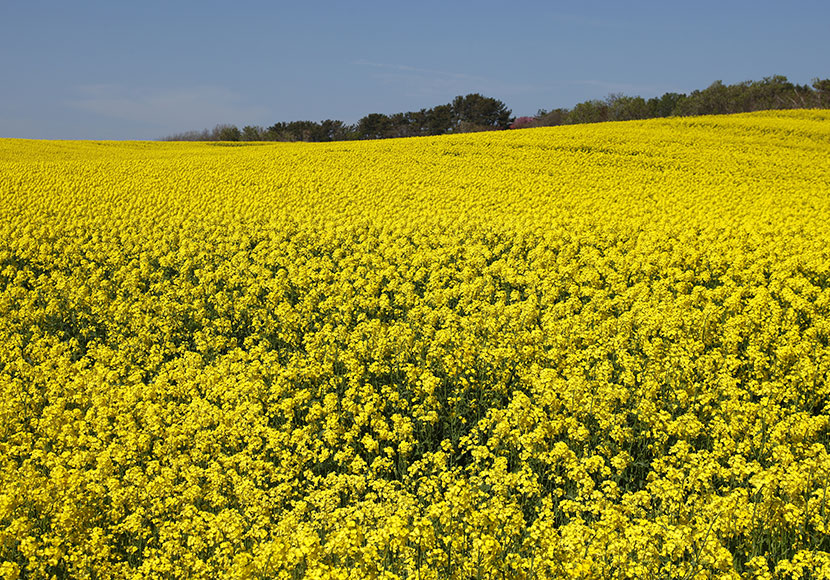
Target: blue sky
[(142, 70)]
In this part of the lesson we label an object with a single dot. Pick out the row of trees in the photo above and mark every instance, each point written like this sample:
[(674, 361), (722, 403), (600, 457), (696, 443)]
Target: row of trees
[(475, 112), (774, 92)]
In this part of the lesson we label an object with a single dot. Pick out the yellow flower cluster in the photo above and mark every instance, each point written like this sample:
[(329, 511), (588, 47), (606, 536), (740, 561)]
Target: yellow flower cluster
[(578, 352)]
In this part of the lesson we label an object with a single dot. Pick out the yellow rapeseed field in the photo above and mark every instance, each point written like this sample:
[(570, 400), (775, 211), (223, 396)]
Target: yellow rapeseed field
[(594, 351)]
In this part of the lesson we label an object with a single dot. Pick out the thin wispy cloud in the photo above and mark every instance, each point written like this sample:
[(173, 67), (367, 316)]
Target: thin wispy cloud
[(416, 70), (174, 108), (420, 82)]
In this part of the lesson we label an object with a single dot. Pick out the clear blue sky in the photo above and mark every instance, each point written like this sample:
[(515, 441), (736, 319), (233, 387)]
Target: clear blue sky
[(142, 70)]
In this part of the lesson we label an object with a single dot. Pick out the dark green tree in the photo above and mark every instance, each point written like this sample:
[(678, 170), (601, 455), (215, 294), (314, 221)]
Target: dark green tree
[(334, 130), (477, 111), (822, 92), (374, 126), (253, 133), (552, 118), (439, 120), (716, 99), (665, 105), (400, 125), (624, 108), (226, 133), (594, 111)]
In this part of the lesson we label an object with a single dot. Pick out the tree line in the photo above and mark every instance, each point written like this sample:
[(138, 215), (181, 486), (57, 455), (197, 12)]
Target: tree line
[(475, 112), (774, 92)]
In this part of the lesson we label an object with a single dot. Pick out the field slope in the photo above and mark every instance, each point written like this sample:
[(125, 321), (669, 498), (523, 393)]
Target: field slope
[(595, 351)]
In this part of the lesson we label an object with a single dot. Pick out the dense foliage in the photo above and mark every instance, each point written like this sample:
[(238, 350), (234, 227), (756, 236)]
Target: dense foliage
[(771, 93), (465, 114), (595, 351)]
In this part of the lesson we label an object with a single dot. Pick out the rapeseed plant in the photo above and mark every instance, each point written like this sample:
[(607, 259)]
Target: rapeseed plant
[(593, 351)]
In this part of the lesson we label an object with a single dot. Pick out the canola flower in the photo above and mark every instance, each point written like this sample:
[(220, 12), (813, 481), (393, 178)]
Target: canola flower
[(578, 352)]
